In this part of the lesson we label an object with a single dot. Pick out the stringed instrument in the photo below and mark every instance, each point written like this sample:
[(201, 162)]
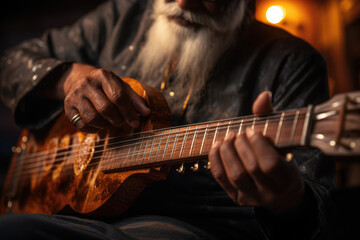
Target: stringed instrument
[(62, 169)]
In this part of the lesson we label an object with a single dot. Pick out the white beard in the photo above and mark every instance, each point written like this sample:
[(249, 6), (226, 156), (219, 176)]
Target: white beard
[(197, 49)]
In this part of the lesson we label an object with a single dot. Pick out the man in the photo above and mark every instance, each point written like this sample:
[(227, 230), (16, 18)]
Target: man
[(211, 60)]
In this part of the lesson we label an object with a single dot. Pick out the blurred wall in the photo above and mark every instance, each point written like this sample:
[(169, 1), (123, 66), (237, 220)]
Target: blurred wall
[(333, 28), (321, 23)]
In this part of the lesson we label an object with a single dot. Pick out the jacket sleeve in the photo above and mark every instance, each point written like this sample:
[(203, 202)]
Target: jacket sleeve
[(302, 80), (28, 65)]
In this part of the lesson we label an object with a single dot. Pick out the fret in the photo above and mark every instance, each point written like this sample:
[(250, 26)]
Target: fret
[(145, 150), (284, 129), (202, 143), (306, 129), (293, 129), (192, 144), (266, 126), (128, 155), (176, 136), (215, 134), (159, 145), (228, 128), (183, 143), (152, 146), (241, 126), (139, 152), (253, 122), (279, 129), (132, 156), (167, 142)]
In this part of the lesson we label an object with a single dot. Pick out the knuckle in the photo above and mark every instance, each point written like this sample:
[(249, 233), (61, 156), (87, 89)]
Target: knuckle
[(67, 101), (253, 168), (89, 117), (218, 174), (237, 176), (84, 83), (79, 91), (117, 95), (271, 168), (101, 72), (104, 108)]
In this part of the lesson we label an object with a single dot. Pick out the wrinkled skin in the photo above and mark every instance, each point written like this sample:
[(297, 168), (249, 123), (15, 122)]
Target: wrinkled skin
[(101, 98)]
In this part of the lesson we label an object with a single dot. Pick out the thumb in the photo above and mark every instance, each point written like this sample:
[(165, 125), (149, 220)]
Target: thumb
[(263, 103)]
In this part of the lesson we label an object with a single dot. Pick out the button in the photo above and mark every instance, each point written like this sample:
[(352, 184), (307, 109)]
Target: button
[(123, 67), (131, 48), (35, 77), (171, 93)]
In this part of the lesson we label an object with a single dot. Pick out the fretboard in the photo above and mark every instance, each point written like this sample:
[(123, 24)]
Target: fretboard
[(193, 142)]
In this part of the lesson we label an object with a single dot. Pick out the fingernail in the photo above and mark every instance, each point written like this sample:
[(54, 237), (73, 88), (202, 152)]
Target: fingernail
[(250, 132), (270, 95)]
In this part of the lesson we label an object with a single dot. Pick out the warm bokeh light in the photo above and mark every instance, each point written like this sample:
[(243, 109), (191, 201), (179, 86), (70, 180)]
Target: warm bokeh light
[(275, 14)]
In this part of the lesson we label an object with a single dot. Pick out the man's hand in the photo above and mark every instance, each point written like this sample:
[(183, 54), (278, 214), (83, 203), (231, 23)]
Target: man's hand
[(250, 169), (101, 98)]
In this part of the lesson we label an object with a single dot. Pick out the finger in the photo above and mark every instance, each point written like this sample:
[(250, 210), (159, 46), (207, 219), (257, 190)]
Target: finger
[(251, 162), (117, 94), (80, 124), (263, 103), (125, 99), (269, 162), (91, 115), (103, 106), (217, 168), (233, 166), (138, 102)]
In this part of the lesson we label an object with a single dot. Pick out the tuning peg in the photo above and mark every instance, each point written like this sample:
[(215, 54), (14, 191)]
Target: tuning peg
[(181, 169), (195, 168), (207, 165)]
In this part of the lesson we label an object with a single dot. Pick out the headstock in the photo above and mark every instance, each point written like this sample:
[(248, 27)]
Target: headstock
[(336, 125)]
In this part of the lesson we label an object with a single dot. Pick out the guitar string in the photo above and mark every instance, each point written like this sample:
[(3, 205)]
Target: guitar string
[(46, 153), (108, 161), (246, 120), (153, 138)]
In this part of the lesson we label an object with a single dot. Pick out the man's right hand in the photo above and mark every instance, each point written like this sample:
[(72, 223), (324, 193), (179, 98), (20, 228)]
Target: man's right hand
[(101, 98)]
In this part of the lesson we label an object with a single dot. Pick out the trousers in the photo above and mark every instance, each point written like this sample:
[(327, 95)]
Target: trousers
[(61, 227)]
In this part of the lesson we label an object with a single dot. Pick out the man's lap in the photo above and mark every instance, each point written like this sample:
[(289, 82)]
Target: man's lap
[(36, 226)]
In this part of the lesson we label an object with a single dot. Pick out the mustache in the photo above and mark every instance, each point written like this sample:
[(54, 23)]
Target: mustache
[(172, 10)]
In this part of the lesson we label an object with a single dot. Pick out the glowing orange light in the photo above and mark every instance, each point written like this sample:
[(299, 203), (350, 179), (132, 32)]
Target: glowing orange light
[(275, 14)]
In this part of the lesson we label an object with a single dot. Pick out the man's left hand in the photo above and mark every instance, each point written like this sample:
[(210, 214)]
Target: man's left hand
[(251, 171)]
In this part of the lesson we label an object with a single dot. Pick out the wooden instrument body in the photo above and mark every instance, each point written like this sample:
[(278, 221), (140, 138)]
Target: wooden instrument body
[(73, 180)]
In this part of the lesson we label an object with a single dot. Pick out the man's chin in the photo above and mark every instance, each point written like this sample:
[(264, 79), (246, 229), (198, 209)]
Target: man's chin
[(183, 22)]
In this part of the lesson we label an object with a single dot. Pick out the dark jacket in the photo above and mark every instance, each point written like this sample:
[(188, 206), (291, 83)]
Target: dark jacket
[(263, 58)]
